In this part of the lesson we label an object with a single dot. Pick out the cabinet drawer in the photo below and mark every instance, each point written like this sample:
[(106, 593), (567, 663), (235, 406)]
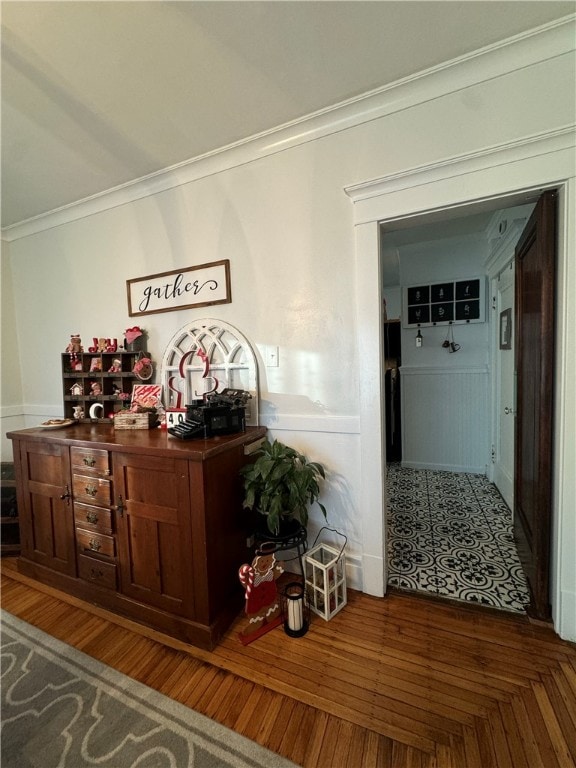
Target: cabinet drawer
[(96, 460), (97, 572), (93, 518), (95, 543), (91, 489)]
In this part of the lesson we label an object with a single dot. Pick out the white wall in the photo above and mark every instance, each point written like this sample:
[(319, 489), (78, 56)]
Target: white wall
[(282, 218), (10, 379), (393, 296), (445, 403)]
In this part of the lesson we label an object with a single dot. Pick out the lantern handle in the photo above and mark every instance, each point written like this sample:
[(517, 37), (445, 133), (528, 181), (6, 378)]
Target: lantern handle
[(326, 528)]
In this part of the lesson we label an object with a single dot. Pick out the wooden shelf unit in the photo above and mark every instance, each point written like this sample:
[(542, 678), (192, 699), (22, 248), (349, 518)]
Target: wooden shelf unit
[(79, 372)]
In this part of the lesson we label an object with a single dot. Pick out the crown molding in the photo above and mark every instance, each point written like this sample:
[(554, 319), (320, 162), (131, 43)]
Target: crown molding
[(534, 46), (459, 165)]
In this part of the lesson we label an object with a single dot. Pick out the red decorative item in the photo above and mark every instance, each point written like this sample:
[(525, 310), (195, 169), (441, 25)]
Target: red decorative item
[(262, 600), (132, 334)]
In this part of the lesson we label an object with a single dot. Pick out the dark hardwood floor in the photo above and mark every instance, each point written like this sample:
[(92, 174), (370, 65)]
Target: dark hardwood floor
[(394, 682)]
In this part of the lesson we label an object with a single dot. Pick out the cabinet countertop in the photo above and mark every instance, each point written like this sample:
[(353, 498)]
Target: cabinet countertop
[(157, 441)]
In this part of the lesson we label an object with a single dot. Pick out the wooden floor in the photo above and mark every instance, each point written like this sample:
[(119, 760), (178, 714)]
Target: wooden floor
[(393, 682)]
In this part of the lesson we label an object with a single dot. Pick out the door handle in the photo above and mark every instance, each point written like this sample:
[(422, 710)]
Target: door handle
[(508, 410), (66, 495)]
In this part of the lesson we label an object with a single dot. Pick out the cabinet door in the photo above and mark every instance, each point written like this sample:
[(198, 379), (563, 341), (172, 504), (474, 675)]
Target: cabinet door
[(153, 531), (47, 519)]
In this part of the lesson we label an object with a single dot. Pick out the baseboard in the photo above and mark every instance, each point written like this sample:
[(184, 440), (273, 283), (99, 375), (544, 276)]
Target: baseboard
[(565, 623), (443, 467)]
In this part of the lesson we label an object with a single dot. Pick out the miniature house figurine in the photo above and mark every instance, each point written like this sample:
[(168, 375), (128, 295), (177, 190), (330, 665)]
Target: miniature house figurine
[(76, 389)]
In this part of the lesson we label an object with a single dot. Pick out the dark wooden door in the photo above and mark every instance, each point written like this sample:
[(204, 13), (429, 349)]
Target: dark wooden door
[(153, 529), (535, 289), (47, 520)]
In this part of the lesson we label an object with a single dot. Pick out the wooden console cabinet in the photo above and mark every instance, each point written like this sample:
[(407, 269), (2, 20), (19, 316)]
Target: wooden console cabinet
[(137, 522)]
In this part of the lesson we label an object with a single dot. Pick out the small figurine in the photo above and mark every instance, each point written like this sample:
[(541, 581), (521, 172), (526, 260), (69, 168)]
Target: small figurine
[(78, 412), (95, 388), (116, 366), (74, 349), (76, 389), (95, 365), (101, 344), (75, 345), (262, 601)]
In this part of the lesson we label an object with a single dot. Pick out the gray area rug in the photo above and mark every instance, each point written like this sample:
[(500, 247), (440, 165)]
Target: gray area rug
[(63, 709)]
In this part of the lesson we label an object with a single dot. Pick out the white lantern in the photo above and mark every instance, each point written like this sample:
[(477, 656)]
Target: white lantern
[(325, 574)]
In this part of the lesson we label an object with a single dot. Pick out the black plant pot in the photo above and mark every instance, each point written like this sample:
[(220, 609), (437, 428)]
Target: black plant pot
[(290, 528)]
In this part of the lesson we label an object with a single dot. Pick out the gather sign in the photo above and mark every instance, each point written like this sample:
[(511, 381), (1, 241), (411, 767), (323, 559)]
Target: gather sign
[(199, 286)]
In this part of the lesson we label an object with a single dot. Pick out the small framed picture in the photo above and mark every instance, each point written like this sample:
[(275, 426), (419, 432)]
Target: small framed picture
[(506, 329), (419, 294)]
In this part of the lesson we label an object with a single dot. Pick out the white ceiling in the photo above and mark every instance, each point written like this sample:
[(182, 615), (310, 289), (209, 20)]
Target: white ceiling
[(97, 93)]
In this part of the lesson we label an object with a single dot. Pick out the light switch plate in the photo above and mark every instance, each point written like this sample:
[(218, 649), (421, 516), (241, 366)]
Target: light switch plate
[(271, 356)]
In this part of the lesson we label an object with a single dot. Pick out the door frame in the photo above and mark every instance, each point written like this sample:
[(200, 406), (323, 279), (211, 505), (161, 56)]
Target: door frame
[(498, 178), (496, 473)]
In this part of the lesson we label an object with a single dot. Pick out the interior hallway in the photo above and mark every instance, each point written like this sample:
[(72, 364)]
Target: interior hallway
[(451, 535)]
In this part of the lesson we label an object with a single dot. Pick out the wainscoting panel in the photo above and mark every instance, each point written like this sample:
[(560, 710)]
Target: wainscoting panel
[(445, 418)]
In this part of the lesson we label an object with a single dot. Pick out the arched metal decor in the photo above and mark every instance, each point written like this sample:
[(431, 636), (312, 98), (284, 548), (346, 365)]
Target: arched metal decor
[(205, 357)]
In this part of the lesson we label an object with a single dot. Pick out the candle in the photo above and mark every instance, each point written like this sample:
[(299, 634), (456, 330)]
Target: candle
[(295, 616), (294, 619)]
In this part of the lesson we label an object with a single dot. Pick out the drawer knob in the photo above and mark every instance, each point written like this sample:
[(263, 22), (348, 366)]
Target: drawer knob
[(90, 461), (94, 574), (92, 517), (91, 490), (95, 545)]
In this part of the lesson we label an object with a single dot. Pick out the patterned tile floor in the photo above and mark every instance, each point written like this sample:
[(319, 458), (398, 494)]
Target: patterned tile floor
[(451, 534)]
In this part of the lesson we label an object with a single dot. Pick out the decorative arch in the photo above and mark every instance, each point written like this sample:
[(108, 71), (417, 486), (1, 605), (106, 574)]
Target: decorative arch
[(209, 356)]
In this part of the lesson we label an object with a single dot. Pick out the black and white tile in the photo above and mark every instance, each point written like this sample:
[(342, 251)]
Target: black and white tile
[(451, 534)]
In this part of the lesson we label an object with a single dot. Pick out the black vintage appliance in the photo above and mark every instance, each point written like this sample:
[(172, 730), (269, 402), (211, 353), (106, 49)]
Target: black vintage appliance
[(222, 413)]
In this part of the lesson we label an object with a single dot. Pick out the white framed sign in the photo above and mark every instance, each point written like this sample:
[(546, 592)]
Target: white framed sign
[(199, 286)]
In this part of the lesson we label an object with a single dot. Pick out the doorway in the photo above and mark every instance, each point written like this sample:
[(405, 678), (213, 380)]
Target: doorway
[(450, 508)]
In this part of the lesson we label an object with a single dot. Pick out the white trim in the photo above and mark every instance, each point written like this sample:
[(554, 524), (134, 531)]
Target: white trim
[(459, 165), (503, 252), (523, 177), (372, 415), (444, 467), (289, 422), (8, 411), (279, 422), (546, 42), (564, 481), (26, 409), (406, 370)]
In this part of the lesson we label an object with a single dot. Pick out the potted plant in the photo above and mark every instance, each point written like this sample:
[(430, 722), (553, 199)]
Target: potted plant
[(282, 484)]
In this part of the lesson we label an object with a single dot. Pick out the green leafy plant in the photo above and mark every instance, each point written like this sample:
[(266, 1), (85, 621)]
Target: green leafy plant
[(282, 484)]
